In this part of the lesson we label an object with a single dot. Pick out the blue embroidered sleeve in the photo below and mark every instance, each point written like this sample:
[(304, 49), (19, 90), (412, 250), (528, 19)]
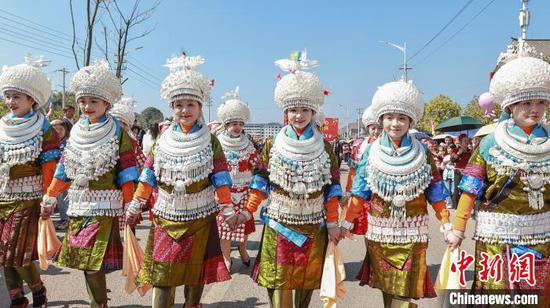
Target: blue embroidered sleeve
[(260, 183), (221, 178), (471, 185), (129, 174), (360, 187), (333, 190), (50, 155), (437, 192), (148, 176), (60, 173)]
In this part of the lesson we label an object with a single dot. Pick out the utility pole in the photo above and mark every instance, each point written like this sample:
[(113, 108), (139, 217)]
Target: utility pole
[(405, 68), (209, 104), (524, 18), (64, 72), (359, 113)]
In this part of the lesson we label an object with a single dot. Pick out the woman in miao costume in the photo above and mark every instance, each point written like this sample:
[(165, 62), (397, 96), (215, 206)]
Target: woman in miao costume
[(299, 173), (188, 166), (29, 149), (370, 122), (123, 111), (98, 168), (397, 176), (511, 171), (242, 160)]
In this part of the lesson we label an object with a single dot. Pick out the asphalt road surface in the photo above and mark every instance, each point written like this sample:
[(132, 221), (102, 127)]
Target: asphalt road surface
[(66, 287)]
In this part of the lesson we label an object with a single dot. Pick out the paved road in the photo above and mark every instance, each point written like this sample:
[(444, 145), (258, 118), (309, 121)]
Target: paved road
[(66, 287)]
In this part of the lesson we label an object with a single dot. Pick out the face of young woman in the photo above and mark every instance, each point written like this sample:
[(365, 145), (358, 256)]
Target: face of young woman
[(529, 113), (60, 129), (92, 107), (235, 128), (374, 130), (19, 103), (396, 125), (299, 117), (186, 111)]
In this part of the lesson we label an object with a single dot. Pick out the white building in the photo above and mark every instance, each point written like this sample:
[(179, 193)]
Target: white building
[(262, 130)]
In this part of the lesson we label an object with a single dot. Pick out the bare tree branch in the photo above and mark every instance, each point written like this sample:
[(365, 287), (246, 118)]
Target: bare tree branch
[(91, 14), (123, 24), (74, 35), (145, 33)]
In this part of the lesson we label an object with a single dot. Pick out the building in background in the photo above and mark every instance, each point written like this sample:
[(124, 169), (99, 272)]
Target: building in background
[(262, 130)]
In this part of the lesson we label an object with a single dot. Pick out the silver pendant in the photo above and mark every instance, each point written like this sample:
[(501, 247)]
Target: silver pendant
[(399, 201), (535, 181)]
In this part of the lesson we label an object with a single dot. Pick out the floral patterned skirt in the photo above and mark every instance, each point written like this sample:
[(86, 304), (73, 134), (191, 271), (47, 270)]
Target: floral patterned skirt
[(92, 244), (183, 253), (18, 235), (281, 264), (397, 269)]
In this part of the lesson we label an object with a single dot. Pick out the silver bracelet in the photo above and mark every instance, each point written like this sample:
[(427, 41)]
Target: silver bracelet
[(460, 236), (48, 201), (446, 227), (347, 225), (228, 211), (135, 206)]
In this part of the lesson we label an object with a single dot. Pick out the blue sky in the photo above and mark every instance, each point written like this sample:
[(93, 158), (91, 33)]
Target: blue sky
[(241, 39)]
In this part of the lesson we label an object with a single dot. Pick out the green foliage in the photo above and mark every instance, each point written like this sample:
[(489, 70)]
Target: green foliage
[(439, 109), (57, 97), (56, 102), (150, 116), (3, 108), (473, 110)]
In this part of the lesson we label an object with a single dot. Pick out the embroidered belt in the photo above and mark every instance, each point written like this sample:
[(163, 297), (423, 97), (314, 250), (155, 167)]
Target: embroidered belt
[(187, 206), (25, 188), (513, 229), (398, 231), (296, 211), (95, 202)]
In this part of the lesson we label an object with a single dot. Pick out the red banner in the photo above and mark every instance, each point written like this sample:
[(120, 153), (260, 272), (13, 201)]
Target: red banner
[(330, 129)]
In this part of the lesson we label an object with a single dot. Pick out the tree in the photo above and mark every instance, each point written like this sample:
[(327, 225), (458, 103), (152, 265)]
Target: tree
[(92, 10), (150, 116), (473, 110), (438, 110), (122, 24), (3, 108), (121, 31), (57, 96)]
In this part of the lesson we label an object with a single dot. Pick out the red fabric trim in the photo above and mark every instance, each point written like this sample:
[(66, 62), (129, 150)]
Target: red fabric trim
[(127, 160), (291, 255), (220, 165)]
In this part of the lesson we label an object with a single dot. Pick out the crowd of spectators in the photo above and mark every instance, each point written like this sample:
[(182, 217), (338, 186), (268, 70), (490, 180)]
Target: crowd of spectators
[(451, 157)]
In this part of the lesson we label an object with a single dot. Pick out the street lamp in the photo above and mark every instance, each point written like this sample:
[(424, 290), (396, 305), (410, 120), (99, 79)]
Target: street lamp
[(347, 118), (403, 49)]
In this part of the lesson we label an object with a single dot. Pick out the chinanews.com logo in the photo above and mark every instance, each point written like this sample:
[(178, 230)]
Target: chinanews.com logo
[(492, 298)]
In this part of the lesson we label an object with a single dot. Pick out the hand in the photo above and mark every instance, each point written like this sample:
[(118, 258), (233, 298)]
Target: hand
[(131, 219), (344, 201), (241, 218), (334, 235), (233, 221), (453, 240), (345, 233), (46, 212)]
